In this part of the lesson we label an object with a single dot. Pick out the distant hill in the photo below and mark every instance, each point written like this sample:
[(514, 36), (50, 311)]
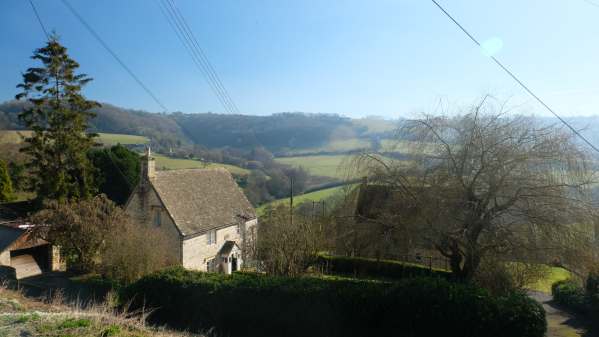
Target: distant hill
[(277, 132)]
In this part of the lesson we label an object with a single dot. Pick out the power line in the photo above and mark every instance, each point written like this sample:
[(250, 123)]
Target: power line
[(213, 73), (517, 80), (188, 45), (37, 15), (114, 55), (592, 3), (185, 34)]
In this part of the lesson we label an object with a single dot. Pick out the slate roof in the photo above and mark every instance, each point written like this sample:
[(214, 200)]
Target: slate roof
[(227, 248), (199, 200)]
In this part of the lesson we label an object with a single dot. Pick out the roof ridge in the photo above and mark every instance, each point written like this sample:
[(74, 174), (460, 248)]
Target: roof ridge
[(194, 169)]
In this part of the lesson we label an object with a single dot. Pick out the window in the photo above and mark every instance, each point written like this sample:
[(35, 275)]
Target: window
[(157, 217), (211, 237)]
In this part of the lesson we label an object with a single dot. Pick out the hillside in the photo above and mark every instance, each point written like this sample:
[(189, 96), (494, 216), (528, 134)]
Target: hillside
[(108, 139), (281, 133)]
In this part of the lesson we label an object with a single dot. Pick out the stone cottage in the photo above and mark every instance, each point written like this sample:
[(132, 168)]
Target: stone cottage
[(206, 216)]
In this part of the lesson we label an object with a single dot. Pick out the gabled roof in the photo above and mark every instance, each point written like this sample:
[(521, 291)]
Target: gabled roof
[(227, 248), (199, 200)]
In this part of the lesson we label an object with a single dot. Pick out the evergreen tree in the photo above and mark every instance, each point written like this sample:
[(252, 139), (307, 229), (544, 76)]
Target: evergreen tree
[(6, 192), (117, 171), (58, 116)]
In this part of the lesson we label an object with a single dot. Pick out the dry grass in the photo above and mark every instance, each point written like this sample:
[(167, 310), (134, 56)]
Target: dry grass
[(22, 316)]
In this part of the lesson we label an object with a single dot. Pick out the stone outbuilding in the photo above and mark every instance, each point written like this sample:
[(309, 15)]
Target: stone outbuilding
[(206, 216), (22, 255)]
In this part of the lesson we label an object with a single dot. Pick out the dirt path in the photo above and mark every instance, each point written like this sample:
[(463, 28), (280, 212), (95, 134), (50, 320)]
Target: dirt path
[(560, 323)]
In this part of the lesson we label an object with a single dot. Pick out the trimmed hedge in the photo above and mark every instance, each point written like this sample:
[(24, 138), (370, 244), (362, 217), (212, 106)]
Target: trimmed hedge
[(365, 267), (256, 305), (571, 295)]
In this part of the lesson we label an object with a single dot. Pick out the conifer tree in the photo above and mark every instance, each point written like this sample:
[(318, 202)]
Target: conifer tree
[(6, 191), (58, 116)]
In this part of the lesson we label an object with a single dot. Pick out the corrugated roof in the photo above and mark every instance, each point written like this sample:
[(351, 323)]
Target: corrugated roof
[(202, 199)]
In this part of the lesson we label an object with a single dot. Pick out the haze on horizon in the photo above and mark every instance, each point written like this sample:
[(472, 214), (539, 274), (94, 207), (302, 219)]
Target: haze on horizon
[(385, 58)]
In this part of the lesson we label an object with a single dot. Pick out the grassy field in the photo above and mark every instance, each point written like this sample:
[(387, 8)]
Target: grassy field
[(334, 166), (376, 125), (308, 197), (335, 145), (555, 274), (109, 139), (327, 166), (115, 138), (166, 163)]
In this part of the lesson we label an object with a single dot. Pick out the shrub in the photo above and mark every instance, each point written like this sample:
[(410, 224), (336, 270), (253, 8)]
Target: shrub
[(570, 294), (135, 250), (245, 304), (365, 267)]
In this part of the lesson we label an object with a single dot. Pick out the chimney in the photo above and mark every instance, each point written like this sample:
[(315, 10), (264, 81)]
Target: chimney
[(148, 165)]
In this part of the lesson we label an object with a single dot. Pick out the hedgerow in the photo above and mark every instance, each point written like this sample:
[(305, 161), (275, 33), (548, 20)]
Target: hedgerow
[(257, 305), (571, 295), (386, 269)]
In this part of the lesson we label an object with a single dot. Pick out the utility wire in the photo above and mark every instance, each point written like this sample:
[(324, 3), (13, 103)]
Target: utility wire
[(195, 51), (190, 42), (517, 80), (189, 47), (592, 3), (114, 55), (212, 72), (37, 15)]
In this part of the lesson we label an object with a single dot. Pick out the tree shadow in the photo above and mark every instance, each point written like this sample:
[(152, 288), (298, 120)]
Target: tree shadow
[(576, 320)]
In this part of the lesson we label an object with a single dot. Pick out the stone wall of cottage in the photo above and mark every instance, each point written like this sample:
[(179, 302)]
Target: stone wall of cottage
[(143, 204), (197, 252)]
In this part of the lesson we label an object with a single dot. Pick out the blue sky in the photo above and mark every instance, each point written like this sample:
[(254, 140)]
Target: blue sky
[(388, 58)]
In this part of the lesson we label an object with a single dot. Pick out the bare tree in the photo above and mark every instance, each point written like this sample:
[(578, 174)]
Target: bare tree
[(135, 250), (288, 244), (485, 182)]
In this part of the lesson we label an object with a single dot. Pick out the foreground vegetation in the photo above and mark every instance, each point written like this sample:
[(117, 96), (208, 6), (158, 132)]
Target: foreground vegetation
[(305, 306), (21, 316)]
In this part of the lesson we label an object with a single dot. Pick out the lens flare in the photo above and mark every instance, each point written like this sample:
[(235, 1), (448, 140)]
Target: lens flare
[(491, 46)]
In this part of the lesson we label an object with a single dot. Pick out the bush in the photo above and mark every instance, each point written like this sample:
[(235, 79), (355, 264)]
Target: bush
[(365, 267), (245, 304), (570, 294), (135, 250)]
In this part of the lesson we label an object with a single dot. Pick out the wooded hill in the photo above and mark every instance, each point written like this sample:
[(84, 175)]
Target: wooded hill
[(281, 132)]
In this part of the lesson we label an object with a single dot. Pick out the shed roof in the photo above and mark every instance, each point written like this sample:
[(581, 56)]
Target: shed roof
[(9, 235), (199, 200)]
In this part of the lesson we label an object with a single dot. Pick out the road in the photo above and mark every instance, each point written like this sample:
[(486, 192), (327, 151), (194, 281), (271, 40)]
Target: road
[(559, 322)]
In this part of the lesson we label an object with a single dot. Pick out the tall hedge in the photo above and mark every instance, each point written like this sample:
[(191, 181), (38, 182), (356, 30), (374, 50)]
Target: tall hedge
[(365, 267), (258, 305)]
